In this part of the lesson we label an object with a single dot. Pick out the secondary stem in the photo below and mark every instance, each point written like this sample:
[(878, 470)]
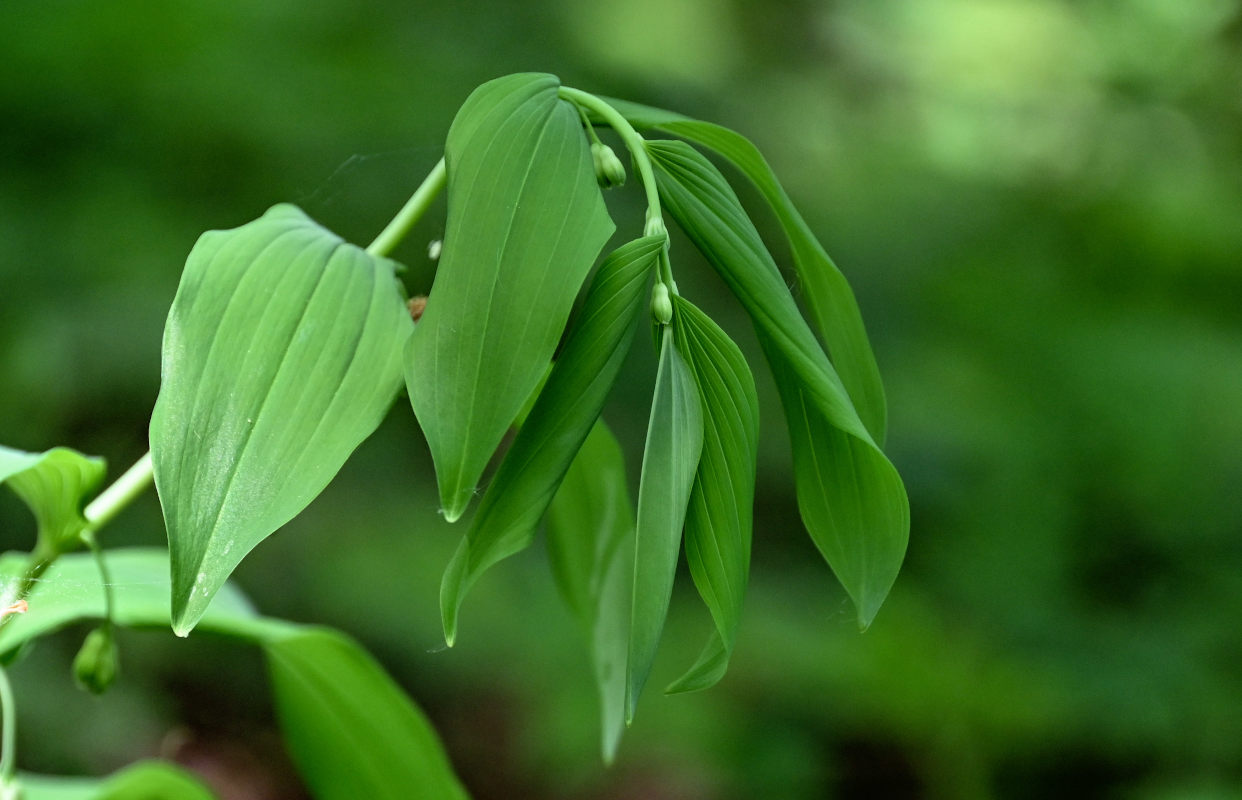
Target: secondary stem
[(633, 140), (410, 212), (8, 718)]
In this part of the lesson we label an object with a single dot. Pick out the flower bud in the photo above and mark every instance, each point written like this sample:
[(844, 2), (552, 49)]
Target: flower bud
[(661, 304), (609, 171), (96, 664)]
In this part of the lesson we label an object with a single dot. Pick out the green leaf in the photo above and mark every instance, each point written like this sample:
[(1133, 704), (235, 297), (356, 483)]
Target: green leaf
[(719, 520), (349, 728), (850, 497), (864, 540), (282, 353), (70, 590), (55, 485), (558, 423), (670, 459), (831, 301), (591, 549), (525, 223), (145, 780)]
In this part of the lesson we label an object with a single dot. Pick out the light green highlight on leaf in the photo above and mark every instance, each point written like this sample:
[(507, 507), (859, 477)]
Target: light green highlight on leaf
[(55, 485), (591, 549), (351, 731), (145, 780), (670, 459), (851, 498), (525, 222), (282, 352), (557, 424)]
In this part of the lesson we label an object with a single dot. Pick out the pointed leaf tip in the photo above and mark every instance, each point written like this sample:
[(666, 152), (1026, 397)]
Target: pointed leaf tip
[(525, 222), (282, 352)]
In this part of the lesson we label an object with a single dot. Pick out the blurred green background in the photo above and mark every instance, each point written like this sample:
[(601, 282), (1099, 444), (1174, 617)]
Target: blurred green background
[(1039, 204)]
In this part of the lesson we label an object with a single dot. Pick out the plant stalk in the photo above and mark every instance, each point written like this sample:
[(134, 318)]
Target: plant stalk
[(410, 212)]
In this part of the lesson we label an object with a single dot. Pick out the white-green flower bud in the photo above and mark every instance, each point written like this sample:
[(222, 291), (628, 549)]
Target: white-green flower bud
[(609, 171), (96, 664), (661, 304)]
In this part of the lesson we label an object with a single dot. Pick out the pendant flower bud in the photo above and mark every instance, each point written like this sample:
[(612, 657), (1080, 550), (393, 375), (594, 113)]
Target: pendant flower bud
[(661, 304), (96, 664), (609, 171)]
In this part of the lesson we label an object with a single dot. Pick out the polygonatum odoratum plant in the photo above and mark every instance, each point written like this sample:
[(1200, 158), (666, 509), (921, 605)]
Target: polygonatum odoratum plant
[(286, 347)]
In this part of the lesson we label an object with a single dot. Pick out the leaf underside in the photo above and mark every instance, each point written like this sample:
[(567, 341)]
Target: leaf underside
[(557, 424), (590, 538), (834, 310), (54, 485), (719, 519), (851, 498), (670, 459), (525, 223), (282, 352)]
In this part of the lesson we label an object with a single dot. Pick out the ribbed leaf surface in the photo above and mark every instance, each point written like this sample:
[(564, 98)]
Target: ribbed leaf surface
[(525, 223), (282, 352)]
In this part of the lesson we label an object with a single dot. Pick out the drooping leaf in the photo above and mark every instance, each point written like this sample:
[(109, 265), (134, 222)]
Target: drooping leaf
[(282, 353), (351, 731), (591, 549), (864, 546), (858, 519), (71, 590), (670, 458), (145, 780), (719, 519), (54, 484), (833, 307), (525, 222), (558, 423)]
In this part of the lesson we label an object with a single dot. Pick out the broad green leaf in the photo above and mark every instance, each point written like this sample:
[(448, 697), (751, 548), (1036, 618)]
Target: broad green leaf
[(145, 780), (858, 515), (831, 301), (670, 458), (591, 549), (557, 424), (525, 223), (70, 590), (54, 484), (719, 519), (351, 731), (282, 353), (849, 463)]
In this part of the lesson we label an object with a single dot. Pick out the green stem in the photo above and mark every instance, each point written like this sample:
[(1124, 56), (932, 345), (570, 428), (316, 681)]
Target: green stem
[(410, 212), (105, 576), (633, 140), (120, 494), (8, 738)]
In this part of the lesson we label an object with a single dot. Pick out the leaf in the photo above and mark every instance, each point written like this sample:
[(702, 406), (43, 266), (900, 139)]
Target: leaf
[(525, 222), (145, 780), (670, 458), (70, 590), (841, 462), (831, 301), (720, 517), (558, 423), (591, 549), (282, 353), (351, 731), (55, 485)]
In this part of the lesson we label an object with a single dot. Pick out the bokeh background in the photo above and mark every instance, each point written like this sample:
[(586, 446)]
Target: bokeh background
[(1039, 204)]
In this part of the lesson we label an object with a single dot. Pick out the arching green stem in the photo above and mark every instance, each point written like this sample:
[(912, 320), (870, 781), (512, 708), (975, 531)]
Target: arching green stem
[(633, 142), (410, 213)]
